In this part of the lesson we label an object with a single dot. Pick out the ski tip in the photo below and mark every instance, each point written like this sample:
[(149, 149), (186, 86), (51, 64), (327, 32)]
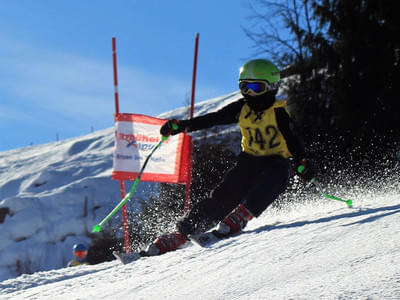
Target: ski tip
[(119, 256), (349, 203), (126, 258), (96, 228)]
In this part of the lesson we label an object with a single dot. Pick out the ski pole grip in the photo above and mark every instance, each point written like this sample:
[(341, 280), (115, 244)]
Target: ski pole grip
[(174, 127), (301, 168)]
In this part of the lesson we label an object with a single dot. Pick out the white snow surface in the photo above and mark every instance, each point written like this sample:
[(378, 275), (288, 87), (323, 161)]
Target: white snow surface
[(318, 250), (315, 249)]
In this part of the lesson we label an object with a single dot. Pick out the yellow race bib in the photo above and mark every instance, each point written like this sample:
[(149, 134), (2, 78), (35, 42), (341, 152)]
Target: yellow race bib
[(260, 133)]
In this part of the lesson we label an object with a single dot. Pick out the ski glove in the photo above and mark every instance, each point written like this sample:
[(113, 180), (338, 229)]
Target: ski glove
[(171, 127), (305, 170)]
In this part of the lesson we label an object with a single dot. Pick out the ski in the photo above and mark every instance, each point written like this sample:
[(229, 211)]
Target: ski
[(206, 239), (126, 258), (203, 240)]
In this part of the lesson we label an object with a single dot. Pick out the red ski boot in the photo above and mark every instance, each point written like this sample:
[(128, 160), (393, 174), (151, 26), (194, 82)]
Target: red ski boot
[(165, 243), (234, 222)]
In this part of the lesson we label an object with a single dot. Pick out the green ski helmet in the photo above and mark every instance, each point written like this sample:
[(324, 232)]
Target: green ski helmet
[(260, 70)]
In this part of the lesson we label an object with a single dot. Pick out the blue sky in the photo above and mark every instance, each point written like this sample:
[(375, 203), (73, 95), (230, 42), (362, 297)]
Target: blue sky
[(56, 61)]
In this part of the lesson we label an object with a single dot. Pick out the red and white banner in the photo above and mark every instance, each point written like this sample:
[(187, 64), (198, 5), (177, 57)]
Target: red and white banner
[(135, 137)]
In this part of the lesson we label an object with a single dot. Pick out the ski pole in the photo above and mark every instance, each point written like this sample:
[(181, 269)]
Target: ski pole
[(97, 228), (349, 202)]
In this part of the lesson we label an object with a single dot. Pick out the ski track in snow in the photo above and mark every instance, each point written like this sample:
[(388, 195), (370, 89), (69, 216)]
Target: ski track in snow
[(311, 251)]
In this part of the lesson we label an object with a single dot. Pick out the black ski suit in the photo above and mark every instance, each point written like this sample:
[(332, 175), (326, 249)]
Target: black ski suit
[(262, 169)]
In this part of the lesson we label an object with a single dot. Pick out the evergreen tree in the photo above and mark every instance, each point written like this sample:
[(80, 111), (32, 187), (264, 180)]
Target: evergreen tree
[(364, 61), (344, 66)]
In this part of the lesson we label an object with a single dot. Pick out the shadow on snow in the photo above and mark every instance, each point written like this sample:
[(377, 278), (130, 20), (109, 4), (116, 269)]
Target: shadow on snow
[(384, 211)]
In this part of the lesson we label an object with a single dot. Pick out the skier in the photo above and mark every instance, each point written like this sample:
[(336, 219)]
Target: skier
[(80, 252), (262, 169)]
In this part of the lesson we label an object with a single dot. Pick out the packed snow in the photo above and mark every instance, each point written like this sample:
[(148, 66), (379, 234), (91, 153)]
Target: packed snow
[(314, 248)]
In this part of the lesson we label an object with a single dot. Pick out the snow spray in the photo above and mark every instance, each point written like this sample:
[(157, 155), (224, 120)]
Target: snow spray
[(97, 228), (349, 202)]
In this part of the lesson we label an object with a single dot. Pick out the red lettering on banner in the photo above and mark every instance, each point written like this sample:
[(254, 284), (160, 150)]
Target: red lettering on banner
[(139, 138), (167, 166)]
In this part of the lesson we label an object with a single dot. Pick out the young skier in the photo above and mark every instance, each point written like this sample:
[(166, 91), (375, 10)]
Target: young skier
[(262, 169), (80, 252)]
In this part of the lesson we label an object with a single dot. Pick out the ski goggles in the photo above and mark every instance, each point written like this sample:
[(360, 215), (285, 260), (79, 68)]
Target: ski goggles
[(80, 253), (254, 87)]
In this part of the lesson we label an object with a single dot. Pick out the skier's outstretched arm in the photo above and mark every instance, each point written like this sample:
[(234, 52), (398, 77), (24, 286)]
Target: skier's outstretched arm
[(227, 115)]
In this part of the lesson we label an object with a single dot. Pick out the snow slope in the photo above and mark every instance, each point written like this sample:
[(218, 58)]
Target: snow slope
[(316, 250), (45, 187), (53, 194)]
